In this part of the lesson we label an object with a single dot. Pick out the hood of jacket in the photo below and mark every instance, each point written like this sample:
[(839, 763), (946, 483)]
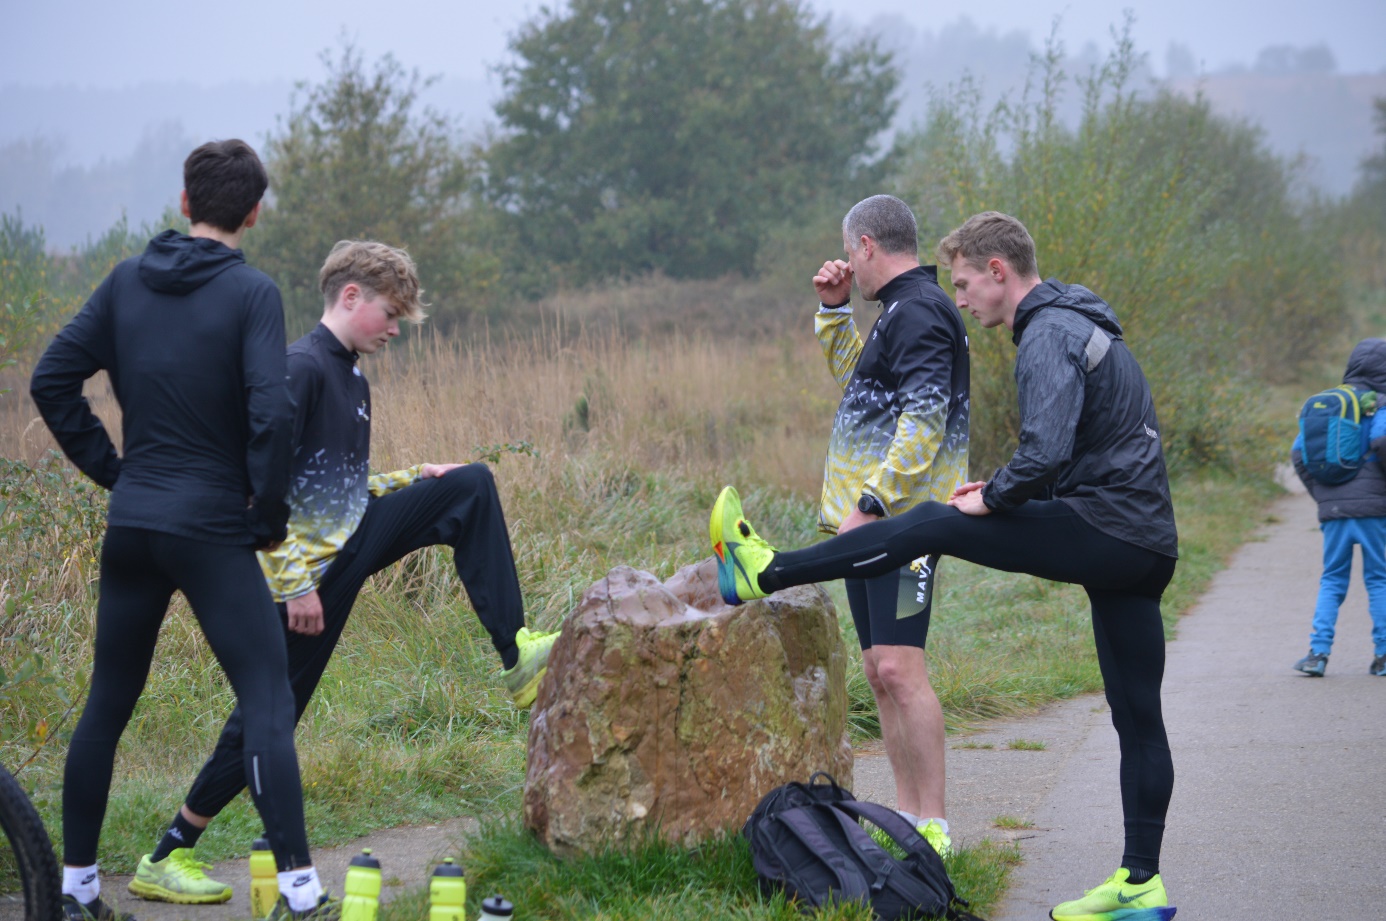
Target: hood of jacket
[(1054, 293), (1367, 365), (175, 263)]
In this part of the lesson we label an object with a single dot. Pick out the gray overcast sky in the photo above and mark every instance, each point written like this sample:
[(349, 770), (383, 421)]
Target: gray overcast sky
[(117, 43)]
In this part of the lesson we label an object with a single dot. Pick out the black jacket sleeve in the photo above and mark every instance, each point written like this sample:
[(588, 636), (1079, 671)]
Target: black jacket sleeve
[(269, 444), (1050, 379), (80, 349)]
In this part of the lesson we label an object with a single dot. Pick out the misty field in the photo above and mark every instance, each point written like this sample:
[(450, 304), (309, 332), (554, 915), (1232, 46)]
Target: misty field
[(609, 451)]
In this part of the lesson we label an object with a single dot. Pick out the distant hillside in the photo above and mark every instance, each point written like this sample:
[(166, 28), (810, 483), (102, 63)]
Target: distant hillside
[(1326, 116)]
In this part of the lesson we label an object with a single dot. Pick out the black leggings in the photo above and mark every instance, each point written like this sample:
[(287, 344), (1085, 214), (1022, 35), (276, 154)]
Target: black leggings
[(1046, 539), (460, 509), (140, 570)]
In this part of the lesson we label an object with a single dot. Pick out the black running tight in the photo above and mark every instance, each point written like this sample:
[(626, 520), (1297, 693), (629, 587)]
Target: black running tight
[(1046, 539), (460, 509), (140, 570)]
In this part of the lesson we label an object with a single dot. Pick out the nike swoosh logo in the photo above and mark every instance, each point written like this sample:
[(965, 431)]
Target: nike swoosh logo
[(731, 554), (1124, 899), (303, 881)]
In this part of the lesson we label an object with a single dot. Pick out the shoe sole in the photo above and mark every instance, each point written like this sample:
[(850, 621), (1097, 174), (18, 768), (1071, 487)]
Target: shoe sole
[(726, 566), (1122, 914), (156, 893), (525, 696)]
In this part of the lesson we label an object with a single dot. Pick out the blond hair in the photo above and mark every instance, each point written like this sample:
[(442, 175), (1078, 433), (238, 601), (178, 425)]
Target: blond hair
[(988, 235), (382, 270)]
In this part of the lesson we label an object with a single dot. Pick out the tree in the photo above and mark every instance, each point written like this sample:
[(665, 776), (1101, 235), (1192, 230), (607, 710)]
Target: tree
[(355, 160), (670, 135)]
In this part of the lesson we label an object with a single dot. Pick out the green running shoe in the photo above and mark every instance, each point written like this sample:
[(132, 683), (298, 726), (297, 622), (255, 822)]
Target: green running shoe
[(741, 553), (1118, 900), (327, 909), (522, 681), (937, 838), (179, 877), (95, 910)]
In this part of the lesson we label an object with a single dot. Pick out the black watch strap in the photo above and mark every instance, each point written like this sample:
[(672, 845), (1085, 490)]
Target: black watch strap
[(870, 505)]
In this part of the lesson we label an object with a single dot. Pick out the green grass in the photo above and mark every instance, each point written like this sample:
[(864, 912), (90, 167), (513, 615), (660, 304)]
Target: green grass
[(1025, 745), (653, 880), (411, 726), (1011, 822)]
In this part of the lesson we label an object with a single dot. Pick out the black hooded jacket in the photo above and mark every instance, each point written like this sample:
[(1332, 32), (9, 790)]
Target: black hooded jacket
[(1088, 432), (193, 341), (1363, 496)]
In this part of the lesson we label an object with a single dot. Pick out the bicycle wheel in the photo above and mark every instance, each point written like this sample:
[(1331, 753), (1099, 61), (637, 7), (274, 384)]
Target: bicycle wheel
[(27, 864)]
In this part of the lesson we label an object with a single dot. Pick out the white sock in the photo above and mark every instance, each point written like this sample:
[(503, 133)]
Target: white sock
[(300, 888), (82, 883), (908, 816), (942, 823)]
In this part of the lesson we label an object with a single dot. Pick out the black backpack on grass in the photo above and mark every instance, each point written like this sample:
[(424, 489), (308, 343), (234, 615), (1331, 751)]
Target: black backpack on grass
[(807, 841)]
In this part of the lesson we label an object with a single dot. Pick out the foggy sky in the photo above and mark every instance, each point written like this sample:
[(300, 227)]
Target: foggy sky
[(100, 43), (99, 101)]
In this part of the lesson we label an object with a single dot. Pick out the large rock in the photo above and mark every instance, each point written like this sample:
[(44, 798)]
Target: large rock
[(665, 709)]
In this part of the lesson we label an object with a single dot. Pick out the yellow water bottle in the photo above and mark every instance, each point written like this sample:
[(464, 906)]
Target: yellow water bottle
[(362, 888), (496, 909), (264, 879), (447, 893)]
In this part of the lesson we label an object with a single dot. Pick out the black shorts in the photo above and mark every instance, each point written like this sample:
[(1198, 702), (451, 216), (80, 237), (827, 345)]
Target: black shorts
[(894, 609)]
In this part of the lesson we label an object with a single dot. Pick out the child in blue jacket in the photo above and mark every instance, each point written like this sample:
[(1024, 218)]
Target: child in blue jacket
[(1352, 513)]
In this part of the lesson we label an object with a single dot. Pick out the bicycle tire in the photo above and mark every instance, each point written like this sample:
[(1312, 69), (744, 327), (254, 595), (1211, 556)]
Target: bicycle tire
[(33, 851)]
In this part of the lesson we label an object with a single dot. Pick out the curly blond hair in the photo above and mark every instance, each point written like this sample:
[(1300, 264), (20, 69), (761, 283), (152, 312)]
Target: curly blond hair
[(383, 270)]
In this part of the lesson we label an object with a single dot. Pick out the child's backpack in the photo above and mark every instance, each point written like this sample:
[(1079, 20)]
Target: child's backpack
[(1333, 429), (807, 841)]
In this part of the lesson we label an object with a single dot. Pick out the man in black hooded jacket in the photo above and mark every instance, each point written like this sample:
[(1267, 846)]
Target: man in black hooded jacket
[(192, 340), (1085, 499)]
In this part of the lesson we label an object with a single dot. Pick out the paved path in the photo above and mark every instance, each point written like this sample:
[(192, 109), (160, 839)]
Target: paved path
[(1279, 807)]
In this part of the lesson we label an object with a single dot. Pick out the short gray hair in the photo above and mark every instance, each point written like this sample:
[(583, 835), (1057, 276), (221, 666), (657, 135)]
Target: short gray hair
[(885, 219)]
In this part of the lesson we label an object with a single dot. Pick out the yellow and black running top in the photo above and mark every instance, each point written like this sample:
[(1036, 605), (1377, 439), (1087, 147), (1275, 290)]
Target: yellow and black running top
[(331, 481), (900, 433)]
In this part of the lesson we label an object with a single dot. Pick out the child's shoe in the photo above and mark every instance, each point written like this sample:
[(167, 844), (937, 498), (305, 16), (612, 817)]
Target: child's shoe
[(179, 877), (1313, 664), (95, 910), (1378, 665), (522, 680)]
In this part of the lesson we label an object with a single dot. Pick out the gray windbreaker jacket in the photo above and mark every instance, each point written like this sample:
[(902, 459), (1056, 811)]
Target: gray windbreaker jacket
[(1088, 432)]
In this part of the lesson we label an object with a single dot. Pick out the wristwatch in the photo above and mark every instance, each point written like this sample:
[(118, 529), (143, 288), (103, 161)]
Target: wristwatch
[(870, 505)]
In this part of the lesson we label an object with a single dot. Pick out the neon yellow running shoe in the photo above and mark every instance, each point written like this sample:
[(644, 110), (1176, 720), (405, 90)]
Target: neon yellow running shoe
[(1118, 900), (938, 839), (522, 681), (180, 877), (741, 553)]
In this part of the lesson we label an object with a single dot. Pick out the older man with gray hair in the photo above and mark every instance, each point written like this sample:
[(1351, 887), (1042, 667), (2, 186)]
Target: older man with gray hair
[(899, 438)]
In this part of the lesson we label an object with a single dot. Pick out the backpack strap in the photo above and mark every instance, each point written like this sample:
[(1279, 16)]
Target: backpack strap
[(852, 885), (908, 884), (893, 824), (908, 838)]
